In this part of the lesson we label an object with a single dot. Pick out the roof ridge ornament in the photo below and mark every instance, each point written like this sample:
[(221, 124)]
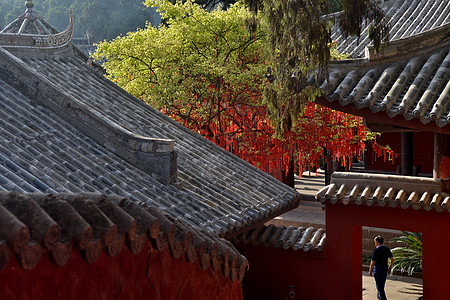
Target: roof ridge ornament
[(45, 39), (61, 38), (29, 4)]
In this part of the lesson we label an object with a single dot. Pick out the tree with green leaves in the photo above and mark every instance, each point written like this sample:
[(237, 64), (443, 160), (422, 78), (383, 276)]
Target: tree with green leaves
[(209, 71), (210, 4), (299, 37)]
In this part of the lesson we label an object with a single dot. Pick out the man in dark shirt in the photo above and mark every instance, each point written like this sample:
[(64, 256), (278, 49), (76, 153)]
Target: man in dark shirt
[(379, 265)]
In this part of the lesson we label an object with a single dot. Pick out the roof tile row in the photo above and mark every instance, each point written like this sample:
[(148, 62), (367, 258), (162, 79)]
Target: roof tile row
[(307, 239), (417, 88), (33, 224), (386, 191), (405, 18)]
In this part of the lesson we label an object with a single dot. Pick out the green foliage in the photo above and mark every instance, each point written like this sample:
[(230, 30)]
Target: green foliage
[(210, 4), (105, 19), (408, 258), (300, 37), (196, 56), (371, 136), (366, 259), (299, 40), (9, 11), (209, 70), (335, 5)]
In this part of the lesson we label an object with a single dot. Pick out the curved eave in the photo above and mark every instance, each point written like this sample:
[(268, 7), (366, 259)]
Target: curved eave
[(406, 192), (382, 118), (410, 79)]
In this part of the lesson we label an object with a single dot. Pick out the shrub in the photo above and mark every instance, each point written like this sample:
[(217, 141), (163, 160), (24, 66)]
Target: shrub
[(408, 258)]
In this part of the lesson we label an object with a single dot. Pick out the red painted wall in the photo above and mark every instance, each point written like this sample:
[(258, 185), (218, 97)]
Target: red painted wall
[(148, 275), (272, 271), (344, 226), (338, 274), (444, 169), (422, 156)]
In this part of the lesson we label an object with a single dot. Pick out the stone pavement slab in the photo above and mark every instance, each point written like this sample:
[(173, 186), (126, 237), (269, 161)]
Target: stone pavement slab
[(307, 214), (309, 184), (397, 287)]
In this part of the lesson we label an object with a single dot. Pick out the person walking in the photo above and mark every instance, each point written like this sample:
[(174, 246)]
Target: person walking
[(379, 265)]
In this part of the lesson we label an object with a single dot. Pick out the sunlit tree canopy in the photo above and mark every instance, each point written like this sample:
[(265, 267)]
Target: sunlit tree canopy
[(213, 72)]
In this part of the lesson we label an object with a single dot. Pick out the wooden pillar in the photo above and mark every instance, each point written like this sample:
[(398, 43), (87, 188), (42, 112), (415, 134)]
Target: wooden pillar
[(407, 153), (437, 155), (329, 166), (288, 177)]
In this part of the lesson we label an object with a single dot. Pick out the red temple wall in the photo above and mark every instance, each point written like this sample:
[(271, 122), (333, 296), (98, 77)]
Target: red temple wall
[(148, 275), (338, 274), (344, 227), (272, 271)]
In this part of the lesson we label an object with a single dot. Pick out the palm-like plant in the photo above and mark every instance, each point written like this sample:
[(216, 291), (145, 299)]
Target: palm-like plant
[(408, 258)]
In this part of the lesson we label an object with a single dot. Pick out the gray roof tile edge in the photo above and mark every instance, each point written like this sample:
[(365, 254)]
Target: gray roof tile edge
[(388, 85), (386, 191), (94, 223), (275, 212), (288, 238)]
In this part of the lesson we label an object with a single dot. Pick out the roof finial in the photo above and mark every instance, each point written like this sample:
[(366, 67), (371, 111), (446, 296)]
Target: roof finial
[(29, 4)]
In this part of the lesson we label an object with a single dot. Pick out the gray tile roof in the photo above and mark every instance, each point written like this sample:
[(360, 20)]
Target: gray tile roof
[(409, 79), (415, 88), (405, 18), (386, 191), (293, 238), (32, 225), (40, 151)]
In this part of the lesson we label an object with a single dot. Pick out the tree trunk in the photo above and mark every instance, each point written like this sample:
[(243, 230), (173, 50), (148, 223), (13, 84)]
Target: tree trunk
[(407, 153), (288, 178)]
